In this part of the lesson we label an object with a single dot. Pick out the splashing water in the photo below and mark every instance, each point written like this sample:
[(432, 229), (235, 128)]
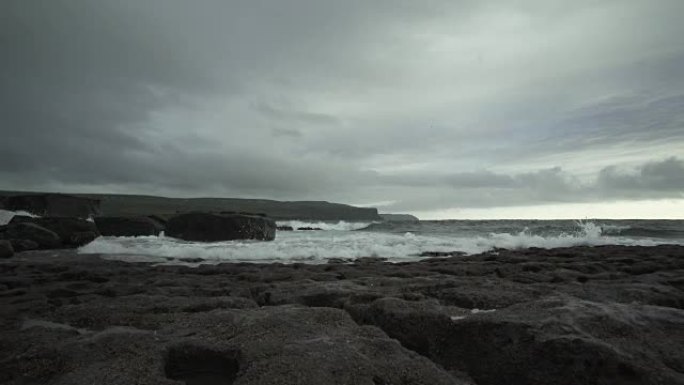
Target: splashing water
[(6, 216), (339, 241), (325, 226)]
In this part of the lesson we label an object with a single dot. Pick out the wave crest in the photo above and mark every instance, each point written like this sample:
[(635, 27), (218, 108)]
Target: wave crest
[(6, 215), (325, 226), (319, 246)]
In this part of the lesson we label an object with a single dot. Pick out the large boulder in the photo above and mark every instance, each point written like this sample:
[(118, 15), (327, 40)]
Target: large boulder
[(71, 231), (270, 345), (302, 345), (6, 249), (82, 238), (53, 205), (128, 226), (556, 340), (205, 227), (565, 341), (27, 231), (20, 245), (413, 323)]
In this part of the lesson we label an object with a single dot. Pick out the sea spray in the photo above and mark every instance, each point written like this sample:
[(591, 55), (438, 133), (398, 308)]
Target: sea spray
[(325, 226), (6, 215), (319, 246)]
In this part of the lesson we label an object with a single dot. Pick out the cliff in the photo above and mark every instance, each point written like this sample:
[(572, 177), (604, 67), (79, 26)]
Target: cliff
[(399, 218), (132, 205)]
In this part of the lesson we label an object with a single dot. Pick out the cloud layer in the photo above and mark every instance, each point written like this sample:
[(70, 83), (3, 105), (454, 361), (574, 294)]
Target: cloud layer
[(424, 106)]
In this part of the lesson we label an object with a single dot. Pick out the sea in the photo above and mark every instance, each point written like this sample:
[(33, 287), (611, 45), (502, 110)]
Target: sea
[(394, 241)]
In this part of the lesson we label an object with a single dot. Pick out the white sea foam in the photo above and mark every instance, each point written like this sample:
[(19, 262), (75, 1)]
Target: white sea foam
[(319, 246), (614, 229), (326, 226), (6, 215), (477, 311), (294, 246)]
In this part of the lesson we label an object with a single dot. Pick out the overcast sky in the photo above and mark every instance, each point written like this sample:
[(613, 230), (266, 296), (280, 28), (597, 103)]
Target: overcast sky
[(507, 108)]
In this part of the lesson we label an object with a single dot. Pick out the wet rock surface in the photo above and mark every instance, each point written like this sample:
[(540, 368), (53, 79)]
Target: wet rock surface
[(128, 226), (583, 315), (52, 232), (41, 236), (6, 249), (57, 205), (205, 227)]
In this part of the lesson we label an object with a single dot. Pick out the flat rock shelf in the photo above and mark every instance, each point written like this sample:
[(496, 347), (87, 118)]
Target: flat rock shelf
[(581, 315)]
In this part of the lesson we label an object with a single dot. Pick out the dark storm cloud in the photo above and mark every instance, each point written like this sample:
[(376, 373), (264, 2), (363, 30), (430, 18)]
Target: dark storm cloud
[(653, 180), (77, 79), (666, 178), (430, 104), (624, 117)]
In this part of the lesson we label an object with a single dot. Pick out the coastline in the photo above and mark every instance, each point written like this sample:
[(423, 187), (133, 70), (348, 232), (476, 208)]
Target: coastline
[(530, 316)]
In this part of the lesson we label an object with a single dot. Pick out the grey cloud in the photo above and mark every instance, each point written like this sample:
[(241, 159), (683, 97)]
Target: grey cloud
[(627, 117), (311, 99), (286, 132), (482, 179), (289, 116), (666, 177), (77, 79), (656, 179)]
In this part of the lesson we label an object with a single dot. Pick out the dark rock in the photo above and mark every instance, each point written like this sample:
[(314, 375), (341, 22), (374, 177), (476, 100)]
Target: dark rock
[(285, 228), (65, 228), (567, 341), (191, 260), (69, 318), (159, 220), (413, 323), (441, 254), (197, 364), (284, 345), (220, 227), (45, 238), (307, 228), (243, 213), (54, 205), (128, 226), (6, 249), (339, 260), (24, 245), (314, 345), (370, 260), (82, 238)]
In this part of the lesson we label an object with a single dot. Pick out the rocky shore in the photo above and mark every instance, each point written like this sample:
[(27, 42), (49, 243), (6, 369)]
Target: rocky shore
[(583, 315)]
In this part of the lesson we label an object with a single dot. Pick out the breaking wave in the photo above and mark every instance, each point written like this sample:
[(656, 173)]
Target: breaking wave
[(6, 215), (642, 231), (325, 226), (319, 246)]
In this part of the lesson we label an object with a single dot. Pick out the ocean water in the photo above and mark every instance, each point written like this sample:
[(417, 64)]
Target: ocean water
[(396, 241)]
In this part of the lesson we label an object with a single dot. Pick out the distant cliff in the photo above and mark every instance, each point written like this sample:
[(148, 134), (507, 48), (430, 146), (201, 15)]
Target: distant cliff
[(399, 218), (53, 205), (125, 205)]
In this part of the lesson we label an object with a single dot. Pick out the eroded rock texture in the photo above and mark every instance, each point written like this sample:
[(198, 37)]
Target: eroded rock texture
[(603, 315)]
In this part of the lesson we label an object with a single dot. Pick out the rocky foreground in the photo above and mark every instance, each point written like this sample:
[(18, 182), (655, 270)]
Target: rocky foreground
[(603, 315)]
